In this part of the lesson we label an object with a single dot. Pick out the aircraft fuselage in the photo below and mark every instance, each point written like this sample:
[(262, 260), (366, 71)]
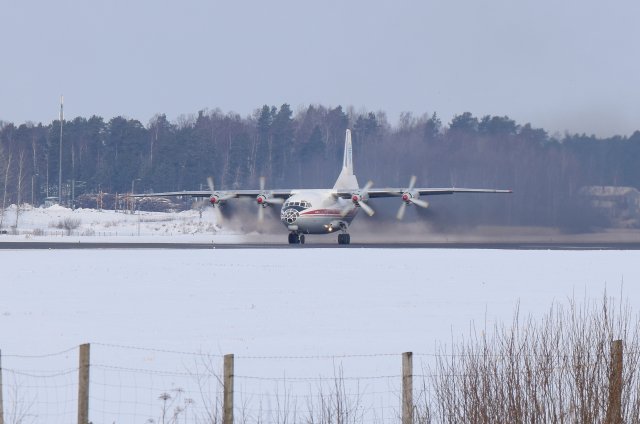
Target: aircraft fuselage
[(317, 212)]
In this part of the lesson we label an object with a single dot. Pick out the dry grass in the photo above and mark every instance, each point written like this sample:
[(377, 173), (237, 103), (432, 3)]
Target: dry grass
[(553, 371)]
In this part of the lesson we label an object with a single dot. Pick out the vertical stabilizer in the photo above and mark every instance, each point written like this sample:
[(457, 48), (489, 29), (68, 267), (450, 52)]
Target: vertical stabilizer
[(346, 179)]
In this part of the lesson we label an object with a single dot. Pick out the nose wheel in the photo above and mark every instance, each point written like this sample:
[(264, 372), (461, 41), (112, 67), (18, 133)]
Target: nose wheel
[(295, 238), (344, 239)]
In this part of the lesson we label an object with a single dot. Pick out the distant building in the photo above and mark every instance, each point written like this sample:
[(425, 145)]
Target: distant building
[(50, 201), (621, 205)]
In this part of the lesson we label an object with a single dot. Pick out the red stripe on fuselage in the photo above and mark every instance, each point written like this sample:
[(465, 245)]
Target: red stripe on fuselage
[(326, 212)]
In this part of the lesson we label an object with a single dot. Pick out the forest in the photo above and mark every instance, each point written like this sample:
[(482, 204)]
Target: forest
[(303, 149)]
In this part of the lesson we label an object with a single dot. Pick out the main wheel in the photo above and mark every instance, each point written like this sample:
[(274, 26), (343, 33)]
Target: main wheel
[(344, 239), (293, 238), (301, 238)]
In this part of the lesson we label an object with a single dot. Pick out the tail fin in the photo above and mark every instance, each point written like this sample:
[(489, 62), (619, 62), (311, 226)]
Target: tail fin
[(346, 179)]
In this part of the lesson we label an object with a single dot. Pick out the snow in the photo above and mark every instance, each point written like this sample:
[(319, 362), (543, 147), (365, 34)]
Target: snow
[(355, 300), (46, 224), (327, 305)]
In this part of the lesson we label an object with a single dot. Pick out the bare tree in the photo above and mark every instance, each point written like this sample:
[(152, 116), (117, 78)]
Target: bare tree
[(20, 405), (210, 390), (4, 191), (335, 404), (19, 183)]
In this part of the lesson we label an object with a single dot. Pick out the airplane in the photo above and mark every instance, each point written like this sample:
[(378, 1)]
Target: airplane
[(324, 211)]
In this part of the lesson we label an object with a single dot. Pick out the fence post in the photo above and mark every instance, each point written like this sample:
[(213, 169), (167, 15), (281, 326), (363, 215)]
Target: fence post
[(407, 388), (227, 407), (1, 388), (614, 408), (83, 385)]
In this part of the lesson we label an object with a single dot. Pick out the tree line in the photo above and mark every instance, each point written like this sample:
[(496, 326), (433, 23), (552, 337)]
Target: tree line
[(304, 149)]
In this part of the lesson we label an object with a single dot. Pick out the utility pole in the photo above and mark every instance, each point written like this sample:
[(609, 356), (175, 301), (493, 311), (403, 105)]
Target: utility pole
[(60, 158), (133, 200)]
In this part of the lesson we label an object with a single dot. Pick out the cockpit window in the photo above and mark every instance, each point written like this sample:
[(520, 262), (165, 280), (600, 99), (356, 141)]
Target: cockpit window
[(303, 204)]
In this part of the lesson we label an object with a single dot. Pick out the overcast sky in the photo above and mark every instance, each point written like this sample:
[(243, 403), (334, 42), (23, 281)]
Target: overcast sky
[(560, 64)]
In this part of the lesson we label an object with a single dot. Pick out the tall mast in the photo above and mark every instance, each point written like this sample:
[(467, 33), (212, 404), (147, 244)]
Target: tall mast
[(60, 157)]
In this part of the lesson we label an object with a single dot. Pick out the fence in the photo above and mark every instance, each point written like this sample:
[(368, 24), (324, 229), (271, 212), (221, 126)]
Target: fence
[(105, 383)]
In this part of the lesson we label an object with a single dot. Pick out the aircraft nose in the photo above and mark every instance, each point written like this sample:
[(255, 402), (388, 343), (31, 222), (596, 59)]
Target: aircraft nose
[(289, 216)]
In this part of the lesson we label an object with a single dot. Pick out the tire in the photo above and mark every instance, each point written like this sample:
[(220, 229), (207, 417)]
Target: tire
[(301, 238), (347, 239), (292, 238)]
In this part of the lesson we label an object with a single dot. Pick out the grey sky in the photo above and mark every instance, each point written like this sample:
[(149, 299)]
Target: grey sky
[(562, 65)]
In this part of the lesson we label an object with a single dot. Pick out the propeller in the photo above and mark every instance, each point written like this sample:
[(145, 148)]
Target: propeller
[(366, 208), (216, 201), (216, 198), (359, 198), (265, 199), (260, 212), (410, 196)]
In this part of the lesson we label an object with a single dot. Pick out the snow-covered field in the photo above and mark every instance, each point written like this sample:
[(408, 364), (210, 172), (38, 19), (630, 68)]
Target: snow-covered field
[(311, 301), (329, 306), (66, 225), (241, 226)]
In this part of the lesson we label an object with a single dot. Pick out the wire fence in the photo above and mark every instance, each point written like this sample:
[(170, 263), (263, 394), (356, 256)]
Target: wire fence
[(132, 384), (40, 388)]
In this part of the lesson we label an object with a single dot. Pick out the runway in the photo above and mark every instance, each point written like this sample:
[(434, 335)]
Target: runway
[(45, 245)]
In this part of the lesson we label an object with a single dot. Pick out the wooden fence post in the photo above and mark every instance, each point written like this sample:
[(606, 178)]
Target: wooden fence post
[(614, 407), (407, 388), (227, 407), (1, 388), (83, 385)]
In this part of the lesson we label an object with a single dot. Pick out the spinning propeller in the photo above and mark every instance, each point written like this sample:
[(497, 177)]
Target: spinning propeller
[(410, 196), (217, 199), (359, 198), (265, 199)]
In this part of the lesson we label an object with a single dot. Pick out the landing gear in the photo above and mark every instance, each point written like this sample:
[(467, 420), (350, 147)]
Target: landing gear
[(344, 239), (295, 238)]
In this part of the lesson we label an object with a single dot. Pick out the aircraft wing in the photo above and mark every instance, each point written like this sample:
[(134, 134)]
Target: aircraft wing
[(346, 194), (174, 194), (397, 192), (228, 194)]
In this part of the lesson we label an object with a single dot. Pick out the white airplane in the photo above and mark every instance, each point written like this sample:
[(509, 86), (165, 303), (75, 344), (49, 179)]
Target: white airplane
[(324, 211)]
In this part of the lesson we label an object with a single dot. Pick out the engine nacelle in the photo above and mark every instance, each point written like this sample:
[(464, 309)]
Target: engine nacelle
[(359, 196), (262, 200), (409, 196), (413, 197)]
